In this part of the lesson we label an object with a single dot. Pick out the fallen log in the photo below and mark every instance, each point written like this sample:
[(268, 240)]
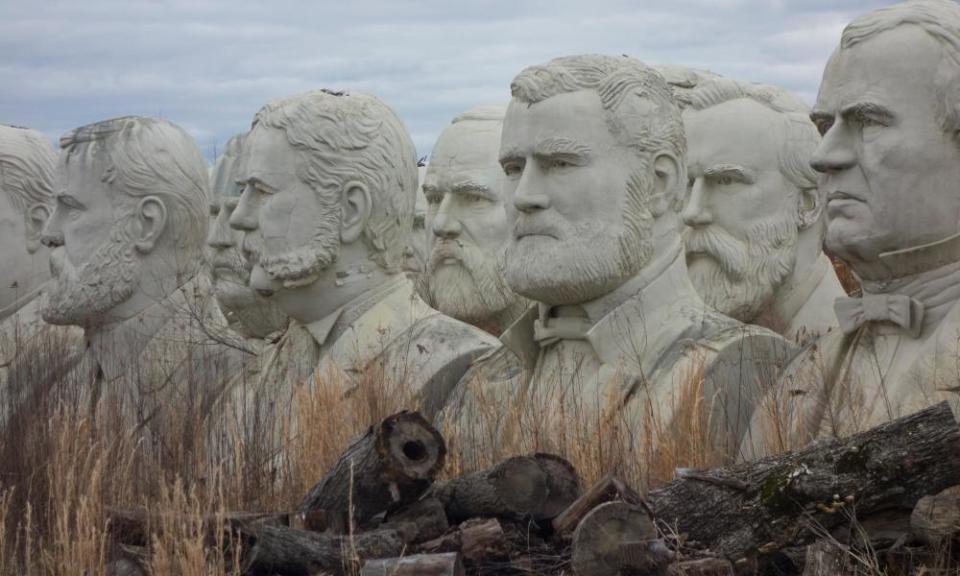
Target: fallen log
[(937, 517), (419, 522), (517, 488), (477, 540), (826, 558), (389, 466), (271, 550), (764, 505), (448, 564), (616, 536), (607, 489)]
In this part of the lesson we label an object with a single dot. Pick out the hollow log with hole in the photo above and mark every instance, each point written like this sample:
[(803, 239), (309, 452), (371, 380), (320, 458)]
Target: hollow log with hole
[(386, 468)]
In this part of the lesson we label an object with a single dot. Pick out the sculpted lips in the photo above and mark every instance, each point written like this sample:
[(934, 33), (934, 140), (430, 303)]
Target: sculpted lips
[(446, 253), (524, 228), (838, 200)]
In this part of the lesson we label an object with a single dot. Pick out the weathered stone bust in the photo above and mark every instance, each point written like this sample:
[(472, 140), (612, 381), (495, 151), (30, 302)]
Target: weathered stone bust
[(416, 254), (594, 155), (889, 163), (246, 311), (329, 182), (127, 235), (470, 220), (27, 175), (754, 216)]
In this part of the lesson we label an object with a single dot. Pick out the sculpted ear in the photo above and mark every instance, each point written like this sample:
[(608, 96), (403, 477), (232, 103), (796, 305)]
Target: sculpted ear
[(809, 207), (669, 184), (356, 204), (35, 219), (152, 219)]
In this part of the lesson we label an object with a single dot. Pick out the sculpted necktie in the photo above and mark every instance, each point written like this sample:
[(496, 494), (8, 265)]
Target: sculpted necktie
[(906, 312)]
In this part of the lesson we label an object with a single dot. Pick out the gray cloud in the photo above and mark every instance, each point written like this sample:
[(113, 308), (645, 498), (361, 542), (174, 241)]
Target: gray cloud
[(209, 66)]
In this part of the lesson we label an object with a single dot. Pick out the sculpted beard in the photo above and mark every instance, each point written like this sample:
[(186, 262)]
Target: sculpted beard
[(81, 296), (245, 310), (302, 265), (474, 289), (739, 278), (584, 261)]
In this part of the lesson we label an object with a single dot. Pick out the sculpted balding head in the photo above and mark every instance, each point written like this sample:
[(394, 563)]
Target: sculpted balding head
[(130, 220)]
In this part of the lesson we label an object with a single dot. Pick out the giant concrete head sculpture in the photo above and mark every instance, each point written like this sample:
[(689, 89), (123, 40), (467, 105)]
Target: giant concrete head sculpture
[(27, 172), (470, 219), (889, 113), (753, 204), (329, 183), (130, 219), (593, 151), (246, 311)]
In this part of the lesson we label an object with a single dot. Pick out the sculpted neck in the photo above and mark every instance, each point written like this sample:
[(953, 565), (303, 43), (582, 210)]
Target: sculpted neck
[(907, 262)]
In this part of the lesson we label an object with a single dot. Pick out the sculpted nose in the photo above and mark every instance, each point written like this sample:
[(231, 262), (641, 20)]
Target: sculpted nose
[(244, 216), (51, 236), (221, 236), (696, 212), (528, 197), (445, 225), (835, 152)]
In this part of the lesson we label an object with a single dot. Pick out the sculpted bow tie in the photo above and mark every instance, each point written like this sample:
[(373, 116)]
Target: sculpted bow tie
[(568, 324), (906, 312)]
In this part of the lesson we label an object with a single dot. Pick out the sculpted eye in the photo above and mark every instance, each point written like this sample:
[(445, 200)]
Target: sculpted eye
[(725, 180), (560, 163), (513, 169), (823, 125)]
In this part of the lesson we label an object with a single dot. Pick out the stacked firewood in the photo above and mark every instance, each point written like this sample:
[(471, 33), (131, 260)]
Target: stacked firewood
[(380, 510)]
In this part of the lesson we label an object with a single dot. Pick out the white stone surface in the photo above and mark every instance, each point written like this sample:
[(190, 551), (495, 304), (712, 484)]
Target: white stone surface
[(127, 235), (754, 216), (31, 352), (327, 222), (598, 176), (247, 312), (470, 222), (889, 163)]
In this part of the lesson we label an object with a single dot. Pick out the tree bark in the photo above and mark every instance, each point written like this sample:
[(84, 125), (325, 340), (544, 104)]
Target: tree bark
[(767, 504), (477, 540), (272, 550), (389, 466), (421, 521), (608, 538), (702, 567), (607, 489), (447, 564), (518, 488)]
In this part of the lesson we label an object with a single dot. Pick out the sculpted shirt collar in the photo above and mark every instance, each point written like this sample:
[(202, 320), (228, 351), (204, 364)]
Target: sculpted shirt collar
[(332, 325), (649, 295), (909, 262)]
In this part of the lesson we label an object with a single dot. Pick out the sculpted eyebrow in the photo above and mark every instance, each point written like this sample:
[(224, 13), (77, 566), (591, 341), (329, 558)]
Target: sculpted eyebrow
[(868, 109), (472, 188), (740, 173), (558, 146)]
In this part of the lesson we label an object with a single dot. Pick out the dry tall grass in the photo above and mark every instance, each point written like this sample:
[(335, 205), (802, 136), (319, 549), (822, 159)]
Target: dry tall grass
[(64, 463)]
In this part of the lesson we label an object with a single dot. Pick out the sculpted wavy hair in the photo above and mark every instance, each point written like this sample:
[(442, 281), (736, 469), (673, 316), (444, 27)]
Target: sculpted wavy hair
[(354, 136), (150, 157), (941, 20), (28, 166), (800, 134), (640, 108)]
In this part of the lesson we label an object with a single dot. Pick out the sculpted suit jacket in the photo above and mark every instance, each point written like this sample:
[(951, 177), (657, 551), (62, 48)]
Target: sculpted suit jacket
[(882, 364), (387, 336), (643, 349)]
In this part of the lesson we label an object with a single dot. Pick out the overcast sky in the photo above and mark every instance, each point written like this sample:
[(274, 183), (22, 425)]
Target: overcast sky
[(208, 66)]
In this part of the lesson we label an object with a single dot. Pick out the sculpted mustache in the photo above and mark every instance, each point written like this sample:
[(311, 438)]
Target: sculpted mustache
[(443, 250), (729, 252), (525, 226)]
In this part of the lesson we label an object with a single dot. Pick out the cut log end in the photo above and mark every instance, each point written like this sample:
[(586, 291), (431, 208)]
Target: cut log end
[(411, 445), (598, 540)]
